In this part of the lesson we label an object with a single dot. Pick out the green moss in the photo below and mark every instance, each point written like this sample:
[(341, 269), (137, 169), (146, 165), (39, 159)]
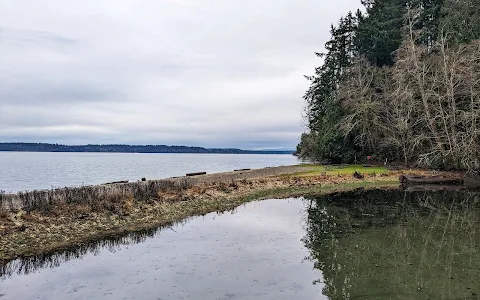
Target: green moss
[(342, 170), (319, 189)]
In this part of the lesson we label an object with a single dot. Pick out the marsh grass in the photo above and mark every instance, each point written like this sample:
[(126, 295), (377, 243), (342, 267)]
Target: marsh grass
[(3, 213), (5, 205), (112, 197)]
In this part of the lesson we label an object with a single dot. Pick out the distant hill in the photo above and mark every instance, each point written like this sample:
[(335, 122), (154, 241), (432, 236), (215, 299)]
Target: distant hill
[(43, 147)]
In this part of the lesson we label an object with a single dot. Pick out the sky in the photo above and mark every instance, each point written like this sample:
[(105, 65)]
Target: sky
[(210, 73)]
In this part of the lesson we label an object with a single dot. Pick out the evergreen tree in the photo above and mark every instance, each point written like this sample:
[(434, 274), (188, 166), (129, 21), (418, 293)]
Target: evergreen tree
[(429, 21), (379, 34), (401, 82), (460, 21), (323, 109)]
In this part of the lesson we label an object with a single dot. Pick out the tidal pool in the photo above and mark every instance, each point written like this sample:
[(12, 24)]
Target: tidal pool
[(378, 244)]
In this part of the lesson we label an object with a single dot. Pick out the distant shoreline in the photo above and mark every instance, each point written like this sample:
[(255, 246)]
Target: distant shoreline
[(117, 148)]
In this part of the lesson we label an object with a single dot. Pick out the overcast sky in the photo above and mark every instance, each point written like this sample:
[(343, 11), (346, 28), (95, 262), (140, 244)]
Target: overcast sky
[(212, 73)]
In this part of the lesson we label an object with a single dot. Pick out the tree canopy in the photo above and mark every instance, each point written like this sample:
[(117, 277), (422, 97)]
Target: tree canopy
[(400, 81)]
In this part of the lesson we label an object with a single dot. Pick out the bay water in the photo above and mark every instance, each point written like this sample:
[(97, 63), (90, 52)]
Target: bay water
[(20, 171)]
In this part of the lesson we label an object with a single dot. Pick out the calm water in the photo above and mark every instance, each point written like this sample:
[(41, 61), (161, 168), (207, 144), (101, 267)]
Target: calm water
[(356, 245), (254, 253), (27, 171)]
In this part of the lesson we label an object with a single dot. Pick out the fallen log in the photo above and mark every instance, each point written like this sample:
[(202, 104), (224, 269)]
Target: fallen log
[(431, 180), (116, 182), (195, 174), (239, 170)]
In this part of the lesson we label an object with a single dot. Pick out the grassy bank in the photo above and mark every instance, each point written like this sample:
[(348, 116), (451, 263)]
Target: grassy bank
[(63, 223)]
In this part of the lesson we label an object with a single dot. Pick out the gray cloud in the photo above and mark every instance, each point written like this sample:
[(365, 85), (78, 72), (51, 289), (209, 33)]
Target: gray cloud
[(211, 73)]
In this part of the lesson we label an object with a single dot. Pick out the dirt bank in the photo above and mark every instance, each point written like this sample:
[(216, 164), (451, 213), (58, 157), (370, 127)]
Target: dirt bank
[(68, 225)]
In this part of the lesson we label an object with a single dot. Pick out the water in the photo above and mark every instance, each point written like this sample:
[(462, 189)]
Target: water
[(255, 253), (358, 245), (21, 171)]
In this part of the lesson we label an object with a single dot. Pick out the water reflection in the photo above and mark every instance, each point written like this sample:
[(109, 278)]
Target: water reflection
[(379, 244), (28, 265), (254, 252), (396, 245)]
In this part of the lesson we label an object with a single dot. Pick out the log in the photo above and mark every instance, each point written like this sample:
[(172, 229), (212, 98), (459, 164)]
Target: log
[(197, 173), (239, 170), (116, 182), (432, 180)]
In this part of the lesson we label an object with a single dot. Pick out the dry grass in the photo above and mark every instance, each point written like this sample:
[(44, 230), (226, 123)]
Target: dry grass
[(114, 198), (4, 210), (3, 214)]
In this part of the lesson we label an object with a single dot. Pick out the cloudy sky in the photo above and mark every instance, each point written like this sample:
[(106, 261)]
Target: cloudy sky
[(213, 73)]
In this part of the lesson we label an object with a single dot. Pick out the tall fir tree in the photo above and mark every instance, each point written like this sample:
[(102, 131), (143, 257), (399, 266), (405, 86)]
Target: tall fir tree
[(380, 33), (460, 20), (323, 109)]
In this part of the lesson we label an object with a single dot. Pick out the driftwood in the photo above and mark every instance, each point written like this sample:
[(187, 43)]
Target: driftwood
[(116, 182), (241, 170), (197, 173), (430, 180)]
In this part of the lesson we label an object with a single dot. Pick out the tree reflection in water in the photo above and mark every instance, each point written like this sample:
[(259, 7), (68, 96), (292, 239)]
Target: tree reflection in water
[(396, 245)]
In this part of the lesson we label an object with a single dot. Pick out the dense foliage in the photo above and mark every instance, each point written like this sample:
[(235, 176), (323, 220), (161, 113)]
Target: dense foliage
[(400, 81)]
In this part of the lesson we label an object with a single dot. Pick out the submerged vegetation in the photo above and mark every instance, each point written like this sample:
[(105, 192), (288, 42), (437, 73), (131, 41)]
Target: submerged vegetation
[(400, 81)]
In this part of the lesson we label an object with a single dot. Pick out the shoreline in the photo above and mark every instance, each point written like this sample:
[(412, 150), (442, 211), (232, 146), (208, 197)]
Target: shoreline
[(68, 226)]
